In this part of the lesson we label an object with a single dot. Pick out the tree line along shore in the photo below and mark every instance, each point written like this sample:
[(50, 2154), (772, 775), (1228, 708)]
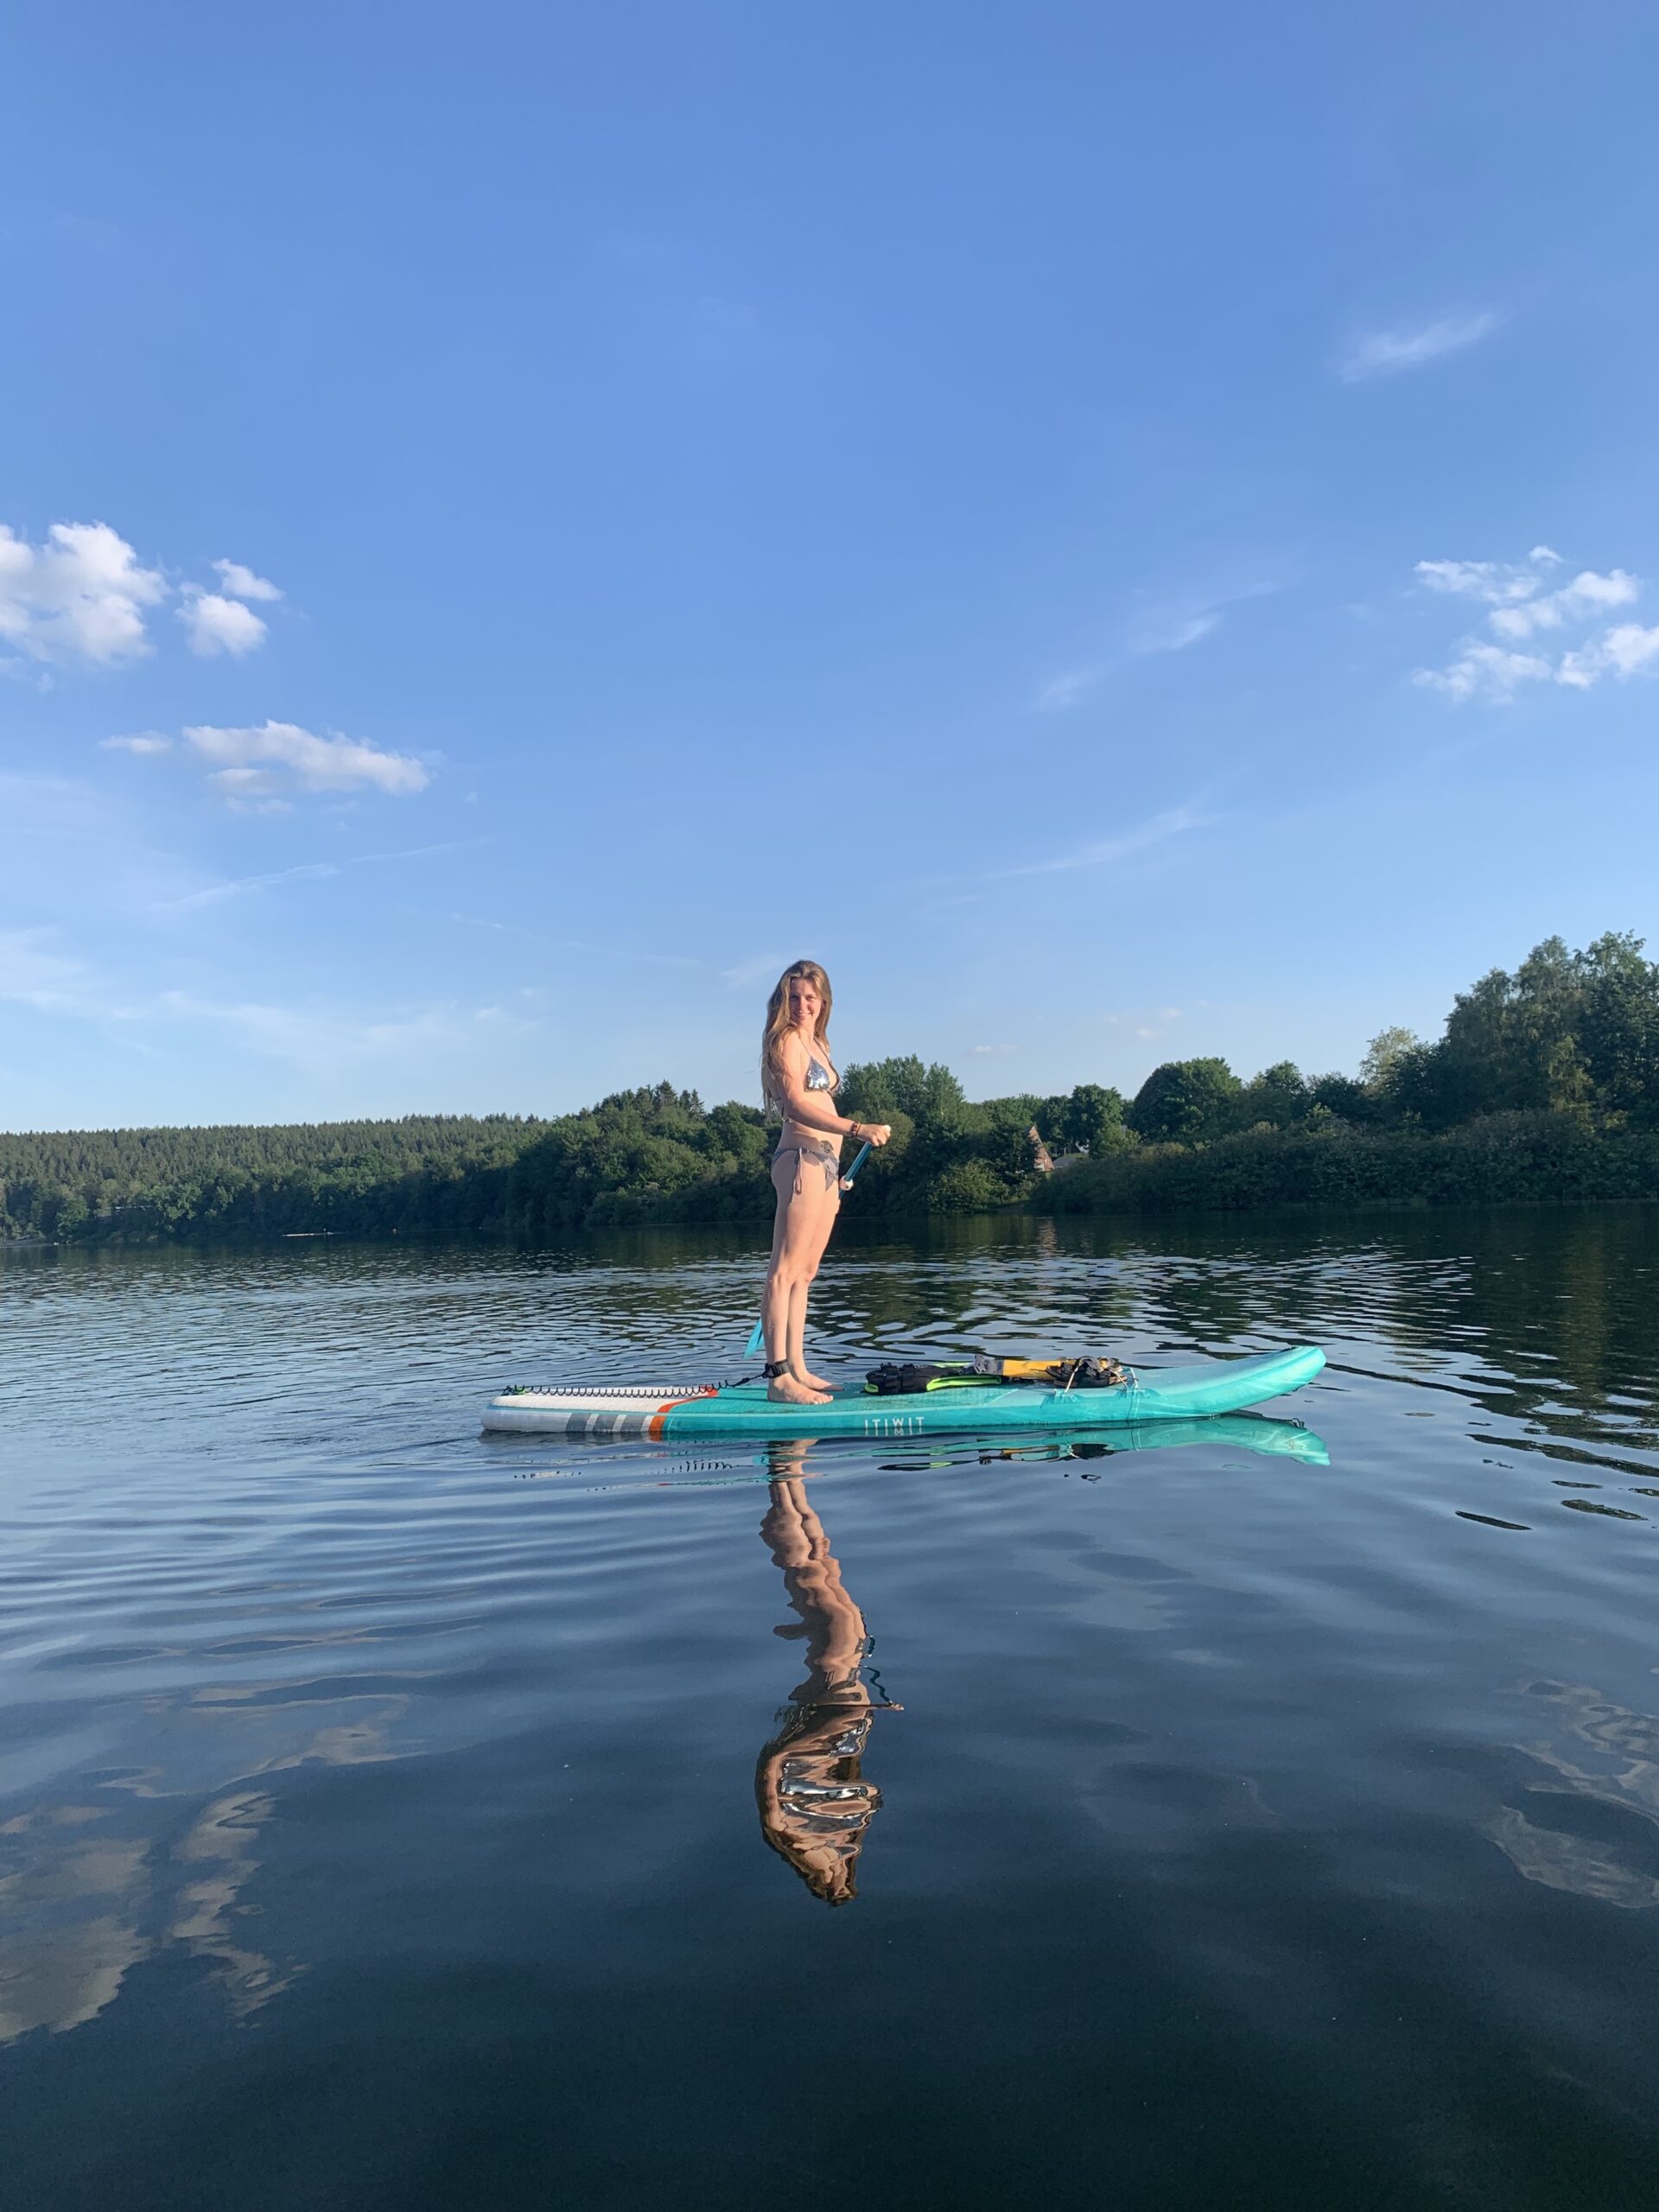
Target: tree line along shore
[(1545, 1085)]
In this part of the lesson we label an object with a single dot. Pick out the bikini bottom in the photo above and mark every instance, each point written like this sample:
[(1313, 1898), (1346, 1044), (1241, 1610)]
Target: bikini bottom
[(827, 1156)]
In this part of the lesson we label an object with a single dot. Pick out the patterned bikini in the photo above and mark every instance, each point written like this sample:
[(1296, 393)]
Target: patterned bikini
[(817, 1152)]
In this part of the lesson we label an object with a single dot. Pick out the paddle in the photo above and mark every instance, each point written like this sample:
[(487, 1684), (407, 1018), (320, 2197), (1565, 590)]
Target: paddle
[(858, 1158), (757, 1334)]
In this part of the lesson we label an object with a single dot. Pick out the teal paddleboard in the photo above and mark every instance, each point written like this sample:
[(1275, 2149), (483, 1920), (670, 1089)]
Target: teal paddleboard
[(1147, 1393)]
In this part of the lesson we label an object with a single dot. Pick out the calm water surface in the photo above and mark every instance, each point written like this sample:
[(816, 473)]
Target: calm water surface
[(391, 1816)]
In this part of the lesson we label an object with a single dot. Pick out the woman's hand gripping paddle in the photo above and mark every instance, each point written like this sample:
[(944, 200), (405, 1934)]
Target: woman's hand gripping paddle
[(757, 1334)]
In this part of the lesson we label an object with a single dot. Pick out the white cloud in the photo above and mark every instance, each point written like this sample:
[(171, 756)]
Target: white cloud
[(216, 625), (1587, 594), (242, 583), (83, 595), (278, 756), (995, 1048), (1623, 650), (1519, 610), (80, 596), (1385, 352), (1496, 582), (1483, 671), (146, 741)]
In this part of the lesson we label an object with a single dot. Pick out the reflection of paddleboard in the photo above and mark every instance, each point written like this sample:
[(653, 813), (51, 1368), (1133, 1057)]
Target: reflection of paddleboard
[(1147, 1394), (1282, 1440), (646, 1470)]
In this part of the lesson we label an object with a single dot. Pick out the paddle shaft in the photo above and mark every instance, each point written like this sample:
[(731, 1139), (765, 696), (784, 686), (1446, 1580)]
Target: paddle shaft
[(858, 1158)]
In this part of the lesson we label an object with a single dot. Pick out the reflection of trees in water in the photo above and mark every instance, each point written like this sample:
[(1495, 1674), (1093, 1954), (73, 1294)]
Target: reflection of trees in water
[(816, 1807)]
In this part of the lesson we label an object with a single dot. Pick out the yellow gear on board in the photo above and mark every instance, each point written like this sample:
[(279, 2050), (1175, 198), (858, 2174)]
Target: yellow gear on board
[(1014, 1370)]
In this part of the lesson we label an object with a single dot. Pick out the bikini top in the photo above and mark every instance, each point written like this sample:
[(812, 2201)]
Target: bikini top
[(818, 1076)]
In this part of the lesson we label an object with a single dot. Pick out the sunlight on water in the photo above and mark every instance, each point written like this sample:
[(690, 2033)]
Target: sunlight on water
[(1264, 1811)]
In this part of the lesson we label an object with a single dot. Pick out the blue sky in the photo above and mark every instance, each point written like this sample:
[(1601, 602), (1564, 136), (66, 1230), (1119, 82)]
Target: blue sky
[(1125, 533)]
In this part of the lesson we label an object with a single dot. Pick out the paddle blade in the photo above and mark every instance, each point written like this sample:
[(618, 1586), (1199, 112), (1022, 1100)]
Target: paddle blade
[(757, 1337)]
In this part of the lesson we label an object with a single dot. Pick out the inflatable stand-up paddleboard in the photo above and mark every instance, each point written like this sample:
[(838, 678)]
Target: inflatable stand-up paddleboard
[(1145, 1394)]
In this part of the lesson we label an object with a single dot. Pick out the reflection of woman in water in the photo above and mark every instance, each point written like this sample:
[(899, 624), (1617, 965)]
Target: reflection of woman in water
[(814, 1804)]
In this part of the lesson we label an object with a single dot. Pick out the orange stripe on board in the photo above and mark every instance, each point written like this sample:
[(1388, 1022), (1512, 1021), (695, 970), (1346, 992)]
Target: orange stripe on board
[(654, 1426)]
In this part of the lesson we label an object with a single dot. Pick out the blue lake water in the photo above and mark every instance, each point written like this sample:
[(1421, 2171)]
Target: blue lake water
[(393, 1816)]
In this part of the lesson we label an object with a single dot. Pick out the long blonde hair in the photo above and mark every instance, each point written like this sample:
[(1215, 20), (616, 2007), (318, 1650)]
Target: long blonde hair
[(771, 1037)]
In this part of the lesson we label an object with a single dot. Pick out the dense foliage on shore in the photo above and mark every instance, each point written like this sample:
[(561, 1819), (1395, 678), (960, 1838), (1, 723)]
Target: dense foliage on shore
[(652, 1154), (1544, 1085)]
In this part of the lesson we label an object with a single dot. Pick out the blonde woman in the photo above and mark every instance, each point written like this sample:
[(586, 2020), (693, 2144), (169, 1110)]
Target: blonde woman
[(798, 1080)]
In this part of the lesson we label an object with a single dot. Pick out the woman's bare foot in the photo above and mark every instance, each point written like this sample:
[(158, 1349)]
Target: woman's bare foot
[(812, 1381), (788, 1391)]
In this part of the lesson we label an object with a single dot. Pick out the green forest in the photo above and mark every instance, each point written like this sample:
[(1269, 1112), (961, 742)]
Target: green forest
[(1544, 1084)]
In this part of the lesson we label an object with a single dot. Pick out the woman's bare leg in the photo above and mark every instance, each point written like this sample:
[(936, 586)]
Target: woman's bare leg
[(797, 1366), (799, 1235)]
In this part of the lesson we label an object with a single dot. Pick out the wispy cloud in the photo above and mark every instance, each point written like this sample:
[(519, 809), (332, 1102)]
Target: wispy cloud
[(214, 893), (759, 968), (32, 975), (1497, 582), (1061, 691), (1155, 625), (583, 945), (1480, 670), (1185, 631), (258, 765), (211, 893), (80, 853), (1158, 830), (1491, 668), (145, 743), (319, 1037), (1387, 353)]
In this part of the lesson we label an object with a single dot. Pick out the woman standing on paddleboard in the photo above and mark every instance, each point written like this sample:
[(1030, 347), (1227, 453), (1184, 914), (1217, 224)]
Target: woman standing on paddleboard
[(798, 1080)]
